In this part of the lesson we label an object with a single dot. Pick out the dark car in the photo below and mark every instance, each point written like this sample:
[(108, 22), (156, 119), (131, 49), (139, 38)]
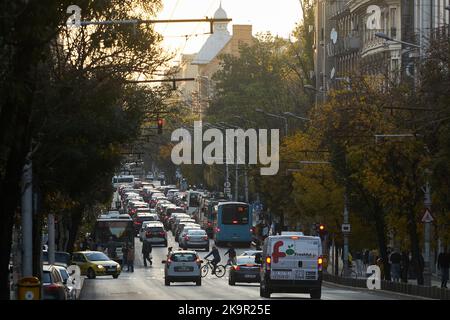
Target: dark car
[(246, 269), (53, 285), (61, 258)]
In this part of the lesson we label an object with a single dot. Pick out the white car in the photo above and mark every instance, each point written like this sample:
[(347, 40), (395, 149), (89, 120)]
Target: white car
[(251, 252), (183, 266), (185, 229), (68, 282)]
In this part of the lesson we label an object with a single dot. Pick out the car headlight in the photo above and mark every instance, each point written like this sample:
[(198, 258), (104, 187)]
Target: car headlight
[(118, 267), (99, 266)]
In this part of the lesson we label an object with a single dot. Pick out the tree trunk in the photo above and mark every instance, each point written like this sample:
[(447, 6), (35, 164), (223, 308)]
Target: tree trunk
[(76, 218), (415, 249), (380, 227)]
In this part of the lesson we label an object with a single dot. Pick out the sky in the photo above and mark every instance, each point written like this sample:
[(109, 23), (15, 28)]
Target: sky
[(277, 16)]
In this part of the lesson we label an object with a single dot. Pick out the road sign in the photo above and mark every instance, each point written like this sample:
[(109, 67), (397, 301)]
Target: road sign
[(227, 184), (227, 190), (427, 217), (346, 227)]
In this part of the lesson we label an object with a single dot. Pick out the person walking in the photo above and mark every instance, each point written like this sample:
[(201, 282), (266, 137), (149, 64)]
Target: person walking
[(231, 256), (359, 262), (130, 258), (146, 252), (443, 266), (405, 267), (124, 254), (395, 259)]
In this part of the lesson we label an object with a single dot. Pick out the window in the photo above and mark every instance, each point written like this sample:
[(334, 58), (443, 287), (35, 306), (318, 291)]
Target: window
[(393, 18), (183, 257), (234, 214)]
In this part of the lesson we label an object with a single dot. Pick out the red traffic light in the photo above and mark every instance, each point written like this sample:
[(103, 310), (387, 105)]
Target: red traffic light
[(160, 125)]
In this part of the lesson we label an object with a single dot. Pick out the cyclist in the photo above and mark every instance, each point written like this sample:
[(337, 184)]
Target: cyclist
[(216, 258), (231, 256)]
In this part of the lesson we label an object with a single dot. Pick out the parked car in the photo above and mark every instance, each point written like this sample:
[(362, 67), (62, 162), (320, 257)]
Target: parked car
[(246, 269), (195, 238), (52, 284), (183, 266), (68, 282), (96, 263)]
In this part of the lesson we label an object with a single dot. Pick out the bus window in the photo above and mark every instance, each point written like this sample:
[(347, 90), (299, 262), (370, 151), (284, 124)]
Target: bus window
[(235, 214), (119, 230)]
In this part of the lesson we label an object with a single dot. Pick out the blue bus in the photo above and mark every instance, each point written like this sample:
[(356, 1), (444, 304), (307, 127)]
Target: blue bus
[(233, 223)]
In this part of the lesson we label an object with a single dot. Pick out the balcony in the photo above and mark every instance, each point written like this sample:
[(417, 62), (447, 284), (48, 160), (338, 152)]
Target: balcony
[(372, 43), (346, 45)]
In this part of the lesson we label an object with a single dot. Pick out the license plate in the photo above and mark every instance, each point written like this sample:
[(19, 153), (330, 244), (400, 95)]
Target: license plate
[(299, 274), (183, 269), (251, 276), (281, 274)]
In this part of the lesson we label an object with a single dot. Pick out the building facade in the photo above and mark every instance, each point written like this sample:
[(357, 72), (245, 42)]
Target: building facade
[(206, 62)]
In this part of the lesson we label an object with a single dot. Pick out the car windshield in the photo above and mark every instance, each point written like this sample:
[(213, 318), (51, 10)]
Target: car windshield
[(183, 257), (246, 260), (46, 278), (96, 256)]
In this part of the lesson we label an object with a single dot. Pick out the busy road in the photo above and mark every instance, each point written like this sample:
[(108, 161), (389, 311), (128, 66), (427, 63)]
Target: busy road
[(148, 284)]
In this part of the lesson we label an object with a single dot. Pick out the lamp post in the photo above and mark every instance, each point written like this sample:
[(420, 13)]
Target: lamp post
[(276, 116), (296, 116)]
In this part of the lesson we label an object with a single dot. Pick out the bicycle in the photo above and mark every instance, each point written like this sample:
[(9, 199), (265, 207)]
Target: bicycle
[(220, 269)]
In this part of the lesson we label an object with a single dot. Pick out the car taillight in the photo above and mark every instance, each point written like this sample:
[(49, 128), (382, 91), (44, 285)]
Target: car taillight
[(217, 229), (205, 238), (268, 262), (237, 268), (187, 238), (52, 287), (235, 221), (148, 234), (320, 263), (162, 233), (209, 224)]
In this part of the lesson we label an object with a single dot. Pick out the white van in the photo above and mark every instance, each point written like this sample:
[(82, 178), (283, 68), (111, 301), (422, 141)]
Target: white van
[(291, 263)]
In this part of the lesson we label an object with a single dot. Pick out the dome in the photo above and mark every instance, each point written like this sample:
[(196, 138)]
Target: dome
[(220, 13)]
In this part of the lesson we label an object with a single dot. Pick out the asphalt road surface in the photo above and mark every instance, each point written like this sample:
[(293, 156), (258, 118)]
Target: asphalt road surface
[(148, 284)]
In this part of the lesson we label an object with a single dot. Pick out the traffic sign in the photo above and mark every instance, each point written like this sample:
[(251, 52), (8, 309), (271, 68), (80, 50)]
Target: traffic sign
[(427, 217), (227, 190), (346, 227), (227, 184)]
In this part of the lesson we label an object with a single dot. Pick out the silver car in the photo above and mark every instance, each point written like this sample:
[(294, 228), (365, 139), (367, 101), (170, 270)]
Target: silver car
[(183, 266), (195, 238)]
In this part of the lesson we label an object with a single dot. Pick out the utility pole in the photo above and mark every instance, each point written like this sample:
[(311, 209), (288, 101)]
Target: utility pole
[(236, 189), (27, 218), (346, 273), (51, 238), (246, 183), (427, 234)]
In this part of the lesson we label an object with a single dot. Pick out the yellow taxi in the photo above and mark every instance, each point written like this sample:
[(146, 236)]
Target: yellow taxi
[(95, 263)]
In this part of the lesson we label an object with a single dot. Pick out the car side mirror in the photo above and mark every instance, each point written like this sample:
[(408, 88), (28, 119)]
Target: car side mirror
[(163, 261)]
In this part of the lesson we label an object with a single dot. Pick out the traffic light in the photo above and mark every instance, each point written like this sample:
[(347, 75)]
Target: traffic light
[(160, 125), (321, 230)]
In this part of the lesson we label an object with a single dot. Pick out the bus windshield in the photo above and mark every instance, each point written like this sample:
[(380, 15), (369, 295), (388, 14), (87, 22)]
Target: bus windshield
[(235, 214), (118, 230), (193, 199)]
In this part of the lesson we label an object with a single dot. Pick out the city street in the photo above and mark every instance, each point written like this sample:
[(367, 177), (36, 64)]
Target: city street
[(148, 284)]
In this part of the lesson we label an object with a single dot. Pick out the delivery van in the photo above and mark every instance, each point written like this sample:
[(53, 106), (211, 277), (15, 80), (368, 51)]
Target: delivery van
[(291, 263)]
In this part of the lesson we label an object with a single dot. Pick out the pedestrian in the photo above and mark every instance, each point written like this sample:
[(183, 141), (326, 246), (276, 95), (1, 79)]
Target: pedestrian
[(395, 259), (359, 262), (130, 258), (366, 259), (404, 267), (231, 256), (111, 248), (443, 266), (124, 254), (146, 252)]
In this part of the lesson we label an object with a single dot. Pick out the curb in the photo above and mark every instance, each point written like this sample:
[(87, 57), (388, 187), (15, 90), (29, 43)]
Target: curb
[(380, 290)]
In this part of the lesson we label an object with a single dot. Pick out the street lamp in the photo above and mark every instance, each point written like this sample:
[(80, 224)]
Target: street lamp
[(276, 116), (386, 37)]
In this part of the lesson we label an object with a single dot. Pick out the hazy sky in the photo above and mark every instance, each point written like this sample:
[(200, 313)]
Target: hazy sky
[(277, 16)]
